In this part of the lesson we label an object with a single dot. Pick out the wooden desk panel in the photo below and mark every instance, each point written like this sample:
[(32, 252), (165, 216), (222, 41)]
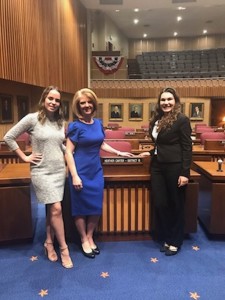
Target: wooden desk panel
[(127, 210), (199, 149), (211, 208), (18, 207), (214, 145)]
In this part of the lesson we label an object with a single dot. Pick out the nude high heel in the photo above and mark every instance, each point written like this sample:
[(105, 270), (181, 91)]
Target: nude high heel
[(65, 258), (50, 252)]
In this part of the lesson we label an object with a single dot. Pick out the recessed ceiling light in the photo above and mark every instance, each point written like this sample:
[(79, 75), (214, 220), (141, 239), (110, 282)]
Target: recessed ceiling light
[(136, 21), (205, 31), (175, 33), (181, 8), (136, 9), (179, 18), (145, 35), (117, 10)]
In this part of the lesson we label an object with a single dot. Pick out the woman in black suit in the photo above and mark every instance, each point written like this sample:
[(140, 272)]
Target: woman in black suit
[(170, 169)]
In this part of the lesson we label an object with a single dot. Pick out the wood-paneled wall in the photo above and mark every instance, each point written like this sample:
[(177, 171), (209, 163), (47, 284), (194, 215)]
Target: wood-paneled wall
[(137, 46), (44, 42), (212, 87)]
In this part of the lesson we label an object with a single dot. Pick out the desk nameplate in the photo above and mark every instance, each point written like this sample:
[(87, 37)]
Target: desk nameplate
[(122, 160)]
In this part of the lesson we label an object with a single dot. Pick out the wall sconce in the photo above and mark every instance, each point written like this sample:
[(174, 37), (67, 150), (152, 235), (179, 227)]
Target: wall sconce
[(223, 122)]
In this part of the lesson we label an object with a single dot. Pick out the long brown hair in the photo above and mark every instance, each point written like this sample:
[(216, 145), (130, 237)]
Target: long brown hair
[(58, 115), (166, 121)]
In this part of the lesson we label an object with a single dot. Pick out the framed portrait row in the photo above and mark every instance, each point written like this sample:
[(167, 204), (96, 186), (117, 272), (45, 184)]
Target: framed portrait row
[(116, 110), (23, 108), (7, 108), (135, 111)]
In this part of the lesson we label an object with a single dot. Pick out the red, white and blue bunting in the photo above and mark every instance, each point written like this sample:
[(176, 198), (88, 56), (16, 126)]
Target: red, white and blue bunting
[(108, 64)]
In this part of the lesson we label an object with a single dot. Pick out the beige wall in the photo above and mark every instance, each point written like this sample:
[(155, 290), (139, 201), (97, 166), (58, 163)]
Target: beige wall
[(175, 44), (104, 31), (106, 103)]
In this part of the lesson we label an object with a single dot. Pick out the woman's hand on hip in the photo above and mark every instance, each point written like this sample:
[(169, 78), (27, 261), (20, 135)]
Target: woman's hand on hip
[(33, 158)]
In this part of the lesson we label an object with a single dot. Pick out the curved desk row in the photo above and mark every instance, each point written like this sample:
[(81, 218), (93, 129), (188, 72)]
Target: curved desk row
[(127, 210), (126, 206)]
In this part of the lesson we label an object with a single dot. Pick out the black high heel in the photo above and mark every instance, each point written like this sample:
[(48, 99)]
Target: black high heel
[(172, 251), (96, 250), (89, 254)]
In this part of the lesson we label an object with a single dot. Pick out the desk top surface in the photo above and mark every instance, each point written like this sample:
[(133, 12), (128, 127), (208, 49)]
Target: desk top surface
[(210, 168), (20, 173), (14, 173), (199, 149)]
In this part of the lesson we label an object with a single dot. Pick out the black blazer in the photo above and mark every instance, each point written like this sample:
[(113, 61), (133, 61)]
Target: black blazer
[(174, 145)]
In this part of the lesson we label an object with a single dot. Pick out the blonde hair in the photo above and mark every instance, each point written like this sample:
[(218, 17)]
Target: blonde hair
[(76, 101)]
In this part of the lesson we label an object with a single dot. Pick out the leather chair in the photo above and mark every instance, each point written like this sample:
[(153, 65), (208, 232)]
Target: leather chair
[(114, 134)]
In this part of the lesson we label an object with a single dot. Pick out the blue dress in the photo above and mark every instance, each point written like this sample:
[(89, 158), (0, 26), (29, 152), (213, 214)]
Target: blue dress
[(88, 139)]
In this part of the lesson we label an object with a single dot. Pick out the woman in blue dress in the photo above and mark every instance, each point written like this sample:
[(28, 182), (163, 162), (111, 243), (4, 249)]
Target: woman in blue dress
[(85, 138)]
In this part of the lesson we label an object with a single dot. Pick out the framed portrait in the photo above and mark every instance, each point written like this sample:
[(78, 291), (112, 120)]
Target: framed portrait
[(6, 109), (151, 109), (66, 109), (23, 106), (135, 111), (99, 112), (182, 109), (196, 111), (116, 112)]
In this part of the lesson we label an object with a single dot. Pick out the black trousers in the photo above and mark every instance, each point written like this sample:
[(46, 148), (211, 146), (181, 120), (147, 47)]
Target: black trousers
[(168, 202)]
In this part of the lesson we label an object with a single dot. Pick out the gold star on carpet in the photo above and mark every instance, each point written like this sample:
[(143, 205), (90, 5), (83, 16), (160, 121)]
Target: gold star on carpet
[(43, 293), (104, 274), (154, 259), (196, 248), (33, 258), (194, 295)]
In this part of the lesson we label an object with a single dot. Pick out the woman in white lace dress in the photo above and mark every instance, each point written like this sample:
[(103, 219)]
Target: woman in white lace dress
[(46, 130)]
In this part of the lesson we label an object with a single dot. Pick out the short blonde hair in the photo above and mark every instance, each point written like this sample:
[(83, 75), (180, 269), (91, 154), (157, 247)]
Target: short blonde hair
[(76, 101)]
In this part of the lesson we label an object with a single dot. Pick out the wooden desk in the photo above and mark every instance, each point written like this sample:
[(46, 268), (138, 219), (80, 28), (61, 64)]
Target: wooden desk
[(127, 212), (18, 208), (136, 135), (200, 154), (10, 157), (211, 209), (137, 145), (215, 145)]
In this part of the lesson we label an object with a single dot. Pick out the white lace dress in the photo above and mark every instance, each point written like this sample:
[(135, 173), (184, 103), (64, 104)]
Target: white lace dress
[(48, 176)]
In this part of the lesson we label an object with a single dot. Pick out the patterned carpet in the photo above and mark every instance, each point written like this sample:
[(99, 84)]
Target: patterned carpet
[(123, 270)]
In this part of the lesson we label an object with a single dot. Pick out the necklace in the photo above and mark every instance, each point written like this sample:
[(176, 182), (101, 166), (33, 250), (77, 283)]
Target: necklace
[(91, 121)]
